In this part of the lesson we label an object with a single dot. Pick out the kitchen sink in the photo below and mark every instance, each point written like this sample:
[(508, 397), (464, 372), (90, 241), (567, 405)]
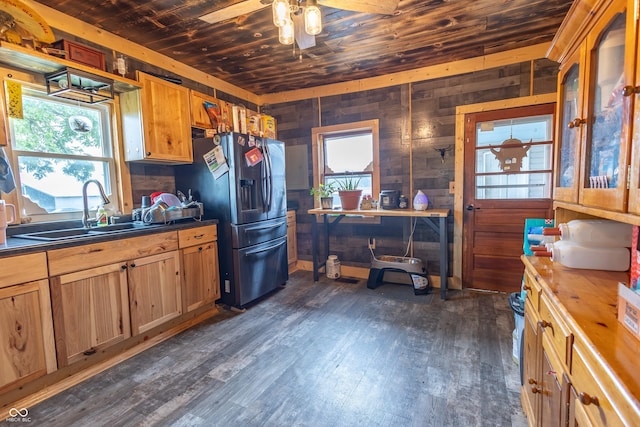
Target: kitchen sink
[(74, 233), (67, 233)]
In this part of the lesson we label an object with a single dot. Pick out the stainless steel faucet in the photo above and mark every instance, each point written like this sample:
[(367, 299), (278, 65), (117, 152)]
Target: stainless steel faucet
[(85, 203)]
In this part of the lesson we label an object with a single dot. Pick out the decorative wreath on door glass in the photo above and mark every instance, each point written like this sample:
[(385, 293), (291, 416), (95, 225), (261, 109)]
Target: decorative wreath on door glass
[(511, 153)]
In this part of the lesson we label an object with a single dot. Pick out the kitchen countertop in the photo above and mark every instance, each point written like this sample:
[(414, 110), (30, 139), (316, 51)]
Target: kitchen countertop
[(20, 246)]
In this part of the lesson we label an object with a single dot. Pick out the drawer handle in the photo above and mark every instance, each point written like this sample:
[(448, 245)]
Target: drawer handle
[(543, 324), (532, 381), (199, 236), (526, 287), (90, 352), (589, 400)]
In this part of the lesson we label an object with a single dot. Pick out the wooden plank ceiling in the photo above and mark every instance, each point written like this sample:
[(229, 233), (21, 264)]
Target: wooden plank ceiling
[(245, 51)]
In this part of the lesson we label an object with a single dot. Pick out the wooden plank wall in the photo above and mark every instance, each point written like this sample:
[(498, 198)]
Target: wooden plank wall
[(431, 115)]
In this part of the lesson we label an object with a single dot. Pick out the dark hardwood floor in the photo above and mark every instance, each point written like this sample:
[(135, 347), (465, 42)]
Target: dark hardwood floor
[(329, 353)]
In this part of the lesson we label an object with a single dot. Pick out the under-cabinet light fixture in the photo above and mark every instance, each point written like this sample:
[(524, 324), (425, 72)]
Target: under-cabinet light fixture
[(77, 85)]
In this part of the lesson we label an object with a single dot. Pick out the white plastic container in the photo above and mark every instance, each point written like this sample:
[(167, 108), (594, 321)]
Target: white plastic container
[(595, 232), (574, 255), (333, 267)]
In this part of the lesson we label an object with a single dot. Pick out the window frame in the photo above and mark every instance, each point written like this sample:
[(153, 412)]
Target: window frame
[(110, 145), (318, 135)]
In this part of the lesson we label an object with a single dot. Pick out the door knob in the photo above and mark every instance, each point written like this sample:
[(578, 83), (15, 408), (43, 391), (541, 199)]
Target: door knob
[(471, 208)]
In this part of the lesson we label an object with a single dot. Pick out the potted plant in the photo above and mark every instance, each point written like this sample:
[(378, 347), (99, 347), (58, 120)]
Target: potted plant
[(325, 194), (349, 192)]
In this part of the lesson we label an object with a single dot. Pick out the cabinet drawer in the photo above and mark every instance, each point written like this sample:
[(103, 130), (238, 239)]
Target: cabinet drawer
[(23, 268), (532, 287), (556, 330), (591, 395), (196, 236), (83, 257)]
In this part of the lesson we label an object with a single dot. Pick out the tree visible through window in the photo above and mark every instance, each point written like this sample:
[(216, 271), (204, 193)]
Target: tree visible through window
[(57, 146)]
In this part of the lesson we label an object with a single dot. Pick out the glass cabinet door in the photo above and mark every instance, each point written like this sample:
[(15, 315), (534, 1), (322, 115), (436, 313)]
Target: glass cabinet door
[(634, 94), (606, 150), (569, 131)]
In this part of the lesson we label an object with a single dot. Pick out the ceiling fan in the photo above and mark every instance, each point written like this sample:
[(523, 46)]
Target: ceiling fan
[(245, 7)]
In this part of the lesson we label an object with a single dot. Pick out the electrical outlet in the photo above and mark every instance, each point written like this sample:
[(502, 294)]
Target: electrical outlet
[(227, 286), (372, 243)]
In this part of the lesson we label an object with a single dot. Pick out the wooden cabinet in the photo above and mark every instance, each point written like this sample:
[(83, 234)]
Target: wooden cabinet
[(200, 273), (154, 290), (156, 122), (27, 349), (152, 267), (292, 245), (579, 363), (91, 309), (199, 117), (547, 344), (596, 46)]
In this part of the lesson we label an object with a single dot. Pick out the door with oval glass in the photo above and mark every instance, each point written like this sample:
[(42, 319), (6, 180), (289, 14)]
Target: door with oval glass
[(508, 160)]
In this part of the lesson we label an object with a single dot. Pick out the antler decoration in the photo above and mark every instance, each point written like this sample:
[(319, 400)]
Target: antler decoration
[(443, 150)]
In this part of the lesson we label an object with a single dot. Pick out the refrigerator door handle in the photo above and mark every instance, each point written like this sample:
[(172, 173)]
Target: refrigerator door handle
[(269, 177), (262, 227), (268, 248)]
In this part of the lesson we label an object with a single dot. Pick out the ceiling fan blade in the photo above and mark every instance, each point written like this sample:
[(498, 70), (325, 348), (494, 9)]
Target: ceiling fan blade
[(383, 7), (303, 39), (241, 8)]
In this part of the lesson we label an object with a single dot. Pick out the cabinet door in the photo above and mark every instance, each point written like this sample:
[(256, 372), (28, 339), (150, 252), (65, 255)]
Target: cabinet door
[(154, 290), (569, 132), (165, 121), (201, 281), (634, 185), (606, 152), (551, 398), (91, 311), (199, 117), (532, 384), (26, 334), (292, 247)]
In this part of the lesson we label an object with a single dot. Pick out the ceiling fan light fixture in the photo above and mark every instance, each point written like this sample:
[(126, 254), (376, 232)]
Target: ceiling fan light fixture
[(286, 34), (280, 12), (312, 18)]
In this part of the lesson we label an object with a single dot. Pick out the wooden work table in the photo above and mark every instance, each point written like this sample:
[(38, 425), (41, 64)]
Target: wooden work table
[(429, 216)]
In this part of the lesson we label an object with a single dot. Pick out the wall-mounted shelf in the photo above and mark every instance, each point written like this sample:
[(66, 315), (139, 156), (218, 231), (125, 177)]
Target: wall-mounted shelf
[(32, 60)]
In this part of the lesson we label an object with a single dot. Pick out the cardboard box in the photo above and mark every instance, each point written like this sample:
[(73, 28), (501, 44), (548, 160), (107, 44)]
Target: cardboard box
[(239, 119), (268, 126), (253, 124), (629, 309), (635, 259), (81, 54)]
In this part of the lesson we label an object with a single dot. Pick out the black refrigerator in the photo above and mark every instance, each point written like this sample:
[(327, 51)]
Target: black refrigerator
[(249, 200)]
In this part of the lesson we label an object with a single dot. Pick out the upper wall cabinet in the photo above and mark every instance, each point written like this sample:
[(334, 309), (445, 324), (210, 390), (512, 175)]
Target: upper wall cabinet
[(156, 122), (199, 117), (568, 133), (596, 47)]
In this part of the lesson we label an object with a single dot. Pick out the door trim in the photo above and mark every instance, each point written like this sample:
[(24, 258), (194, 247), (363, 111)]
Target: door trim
[(458, 198)]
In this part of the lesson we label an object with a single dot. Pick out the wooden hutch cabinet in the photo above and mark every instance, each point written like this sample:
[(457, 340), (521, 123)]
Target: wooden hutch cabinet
[(579, 362)]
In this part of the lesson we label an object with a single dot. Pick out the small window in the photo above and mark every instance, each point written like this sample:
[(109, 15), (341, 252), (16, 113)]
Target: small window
[(347, 151), (57, 146)]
